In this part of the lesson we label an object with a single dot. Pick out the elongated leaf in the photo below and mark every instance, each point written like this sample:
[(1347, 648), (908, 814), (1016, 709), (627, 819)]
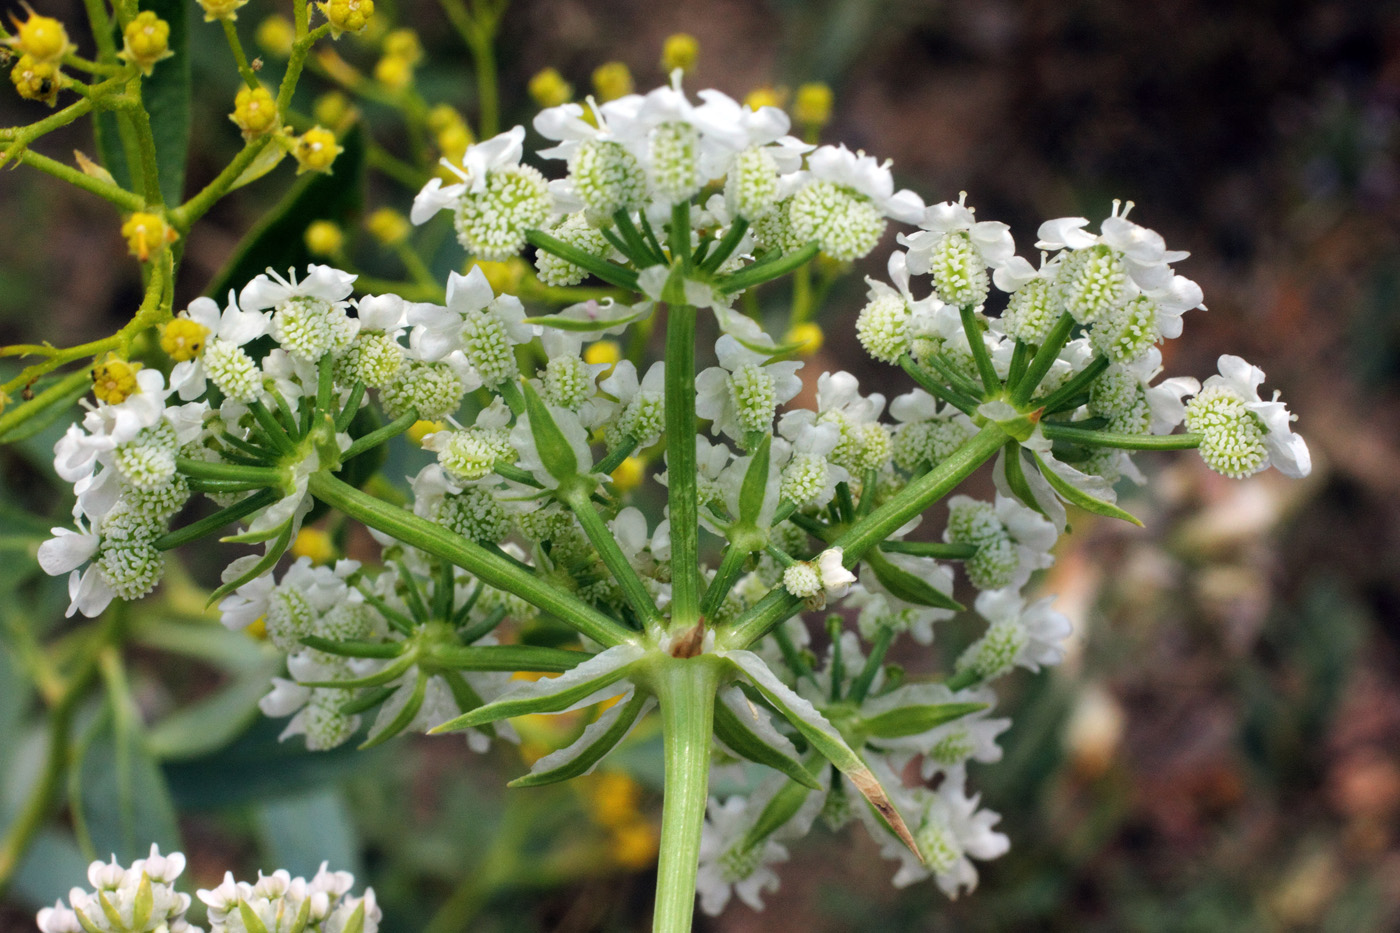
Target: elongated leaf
[(412, 704), (125, 802), (583, 755), (907, 586), (210, 723), (1079, 497), (582, 325), (755, 486), (508, 658), (556, 453), (278, 241), (586, 684), (739, 730), (912, 720), (781, 808), (824, 739)]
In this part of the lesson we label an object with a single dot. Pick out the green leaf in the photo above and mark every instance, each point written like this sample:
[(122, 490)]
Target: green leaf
[(912, 720), (277, 241), (211, 723), (580, 757), (824, 739), (554, 695), (1073, 494), (300, 831), (403, 717), (734, 731), (580, 325), (755, 486), (250, 919), (782, 807), (143, 904), (556, 453), (125, 801), (906, 586)]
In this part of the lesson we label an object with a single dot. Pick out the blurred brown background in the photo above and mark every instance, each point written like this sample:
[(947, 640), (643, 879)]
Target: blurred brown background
[(1222, 752)]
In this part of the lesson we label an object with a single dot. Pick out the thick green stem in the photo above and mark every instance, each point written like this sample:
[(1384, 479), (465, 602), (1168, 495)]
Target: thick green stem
[(623, 573), (686, 691), (1058, 432), (493, 569), (609, 272), (681, 492), (1044, 358), (767, 270), (973, 330)]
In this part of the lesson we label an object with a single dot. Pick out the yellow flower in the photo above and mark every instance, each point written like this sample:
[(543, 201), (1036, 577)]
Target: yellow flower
[(634, 845), (316, 150), (812, 108), (147, 41), (388, 226), (680, 51), (315, 544), (114, 380), (808, 335), (348, 15), (549, 89), (36, 80), (276, 35), (254, 112), (42, 38), (629, 474), (765, 97), (602, 351), (394, 72), (183, 339), (221, 9), (612, 80), (146, 234), (324, 238), (421, 429)]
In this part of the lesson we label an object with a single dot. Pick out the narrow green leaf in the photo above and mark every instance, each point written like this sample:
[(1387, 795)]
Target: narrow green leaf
[(580, 325), (556, 453), (906, 586), (755, 486), (356, 923), (824, 739), (403, 717), (250, 919), (732, 729), (356, 649), (144, 903), (579, 758), (1079, 497), (782, 807), (508, 658), (166, 94), (912, 720), (554, 695)]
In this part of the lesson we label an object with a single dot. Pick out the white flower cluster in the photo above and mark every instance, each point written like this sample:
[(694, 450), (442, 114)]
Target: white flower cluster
[(142, 899)]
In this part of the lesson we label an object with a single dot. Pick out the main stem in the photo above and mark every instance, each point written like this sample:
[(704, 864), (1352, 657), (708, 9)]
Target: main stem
[(680, 467), (686, 691)]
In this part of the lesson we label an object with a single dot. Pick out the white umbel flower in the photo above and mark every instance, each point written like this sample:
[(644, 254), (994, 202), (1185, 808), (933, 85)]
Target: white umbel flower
[(1242, 434)]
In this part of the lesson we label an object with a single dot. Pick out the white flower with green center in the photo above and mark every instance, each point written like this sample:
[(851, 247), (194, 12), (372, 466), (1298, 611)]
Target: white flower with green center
[(951, 831), (213, 340), (1242, 434), (957, 250), (574, 230), (743, 392), (727, 865), (475, 327), (135, 899), (809, 478), (641, 405), (927, 433), (309, 318), (497, 201), (1017, 635), (845, 200)]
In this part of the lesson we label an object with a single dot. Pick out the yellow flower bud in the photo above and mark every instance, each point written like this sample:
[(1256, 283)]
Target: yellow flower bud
[(221, 9), (443, 116), (324, 239), (812, 108), (809, 336), (503, 277), (421, 429), (254, 112), (114, 380), (388, 226), (629, 474), (680, 51), (403, 43), (146, 234), (764, 97), (348, 15), (315, 544), (549, 89), (634, 845), (183, 339), (147, 41), (332, 109), (393, 72), (276, 35), (612, 80), (615, 799), (42, 38), (315, 150), (258, 629), (452, 143), (36, 80), (602, 351)]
